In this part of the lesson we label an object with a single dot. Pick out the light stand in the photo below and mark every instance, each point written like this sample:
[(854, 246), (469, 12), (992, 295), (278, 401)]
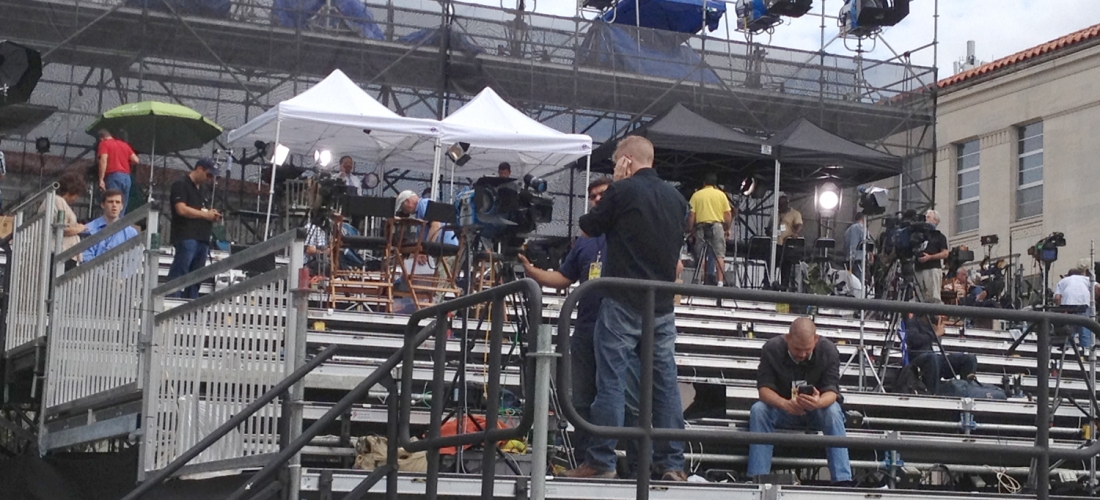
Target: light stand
[(862, 349), (1092, 368)]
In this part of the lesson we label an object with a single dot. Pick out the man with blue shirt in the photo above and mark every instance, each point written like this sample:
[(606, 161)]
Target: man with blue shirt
[(583, 262), (112, 209)]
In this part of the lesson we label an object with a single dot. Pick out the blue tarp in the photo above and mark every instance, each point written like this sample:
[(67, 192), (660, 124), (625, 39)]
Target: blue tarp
[(297, 13), (204, 8), (660, 54), (430, 36), (683, 16)]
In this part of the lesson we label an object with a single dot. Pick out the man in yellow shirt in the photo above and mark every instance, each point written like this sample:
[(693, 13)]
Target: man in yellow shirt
[(711, 219)]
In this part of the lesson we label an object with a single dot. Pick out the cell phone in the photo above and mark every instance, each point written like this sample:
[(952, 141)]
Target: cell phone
[(806, 389)]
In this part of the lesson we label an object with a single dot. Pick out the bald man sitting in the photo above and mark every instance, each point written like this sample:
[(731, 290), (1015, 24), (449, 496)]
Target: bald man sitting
[(798, 380)]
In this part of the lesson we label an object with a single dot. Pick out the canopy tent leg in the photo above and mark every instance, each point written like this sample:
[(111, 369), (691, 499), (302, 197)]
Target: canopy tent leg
[(435, 172), (271, 185), (587, 178), (775, 221)]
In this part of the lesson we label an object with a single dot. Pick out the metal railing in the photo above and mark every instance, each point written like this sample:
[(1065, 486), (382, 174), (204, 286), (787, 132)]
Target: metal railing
[(1041, 451), (31, 249), (212, 357), (399, 413), (96, 311)]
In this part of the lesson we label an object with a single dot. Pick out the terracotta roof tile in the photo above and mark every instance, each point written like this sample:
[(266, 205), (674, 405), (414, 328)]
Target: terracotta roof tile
[(1092, 32)]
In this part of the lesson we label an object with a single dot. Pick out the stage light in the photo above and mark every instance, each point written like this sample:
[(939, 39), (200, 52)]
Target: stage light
[(828, 199), (873, 200), (535, 184), (760, 15), (861, 18), (457, 153), (42, 145), (322, 157), (748, 186), (280, 156)]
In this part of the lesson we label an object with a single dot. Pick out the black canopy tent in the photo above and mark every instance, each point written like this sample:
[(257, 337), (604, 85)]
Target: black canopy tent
[(685, 143), (808, 155)]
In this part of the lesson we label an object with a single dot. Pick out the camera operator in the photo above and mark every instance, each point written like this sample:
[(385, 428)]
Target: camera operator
[(929, 266), (1073, 290), (854, 239), (920, 337), (799, 382)]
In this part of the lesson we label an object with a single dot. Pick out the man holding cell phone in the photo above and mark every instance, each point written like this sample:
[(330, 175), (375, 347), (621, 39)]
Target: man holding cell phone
[(799, 385)]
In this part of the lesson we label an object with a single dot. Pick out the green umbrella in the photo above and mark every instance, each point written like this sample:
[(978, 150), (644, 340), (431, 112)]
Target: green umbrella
[(157, 127)]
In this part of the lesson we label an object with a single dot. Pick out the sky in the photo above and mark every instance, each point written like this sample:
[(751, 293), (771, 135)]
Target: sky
[(999, 27)]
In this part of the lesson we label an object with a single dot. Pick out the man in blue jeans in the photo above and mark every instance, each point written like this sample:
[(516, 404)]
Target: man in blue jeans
[(643, 219), (193, 220), (584, 261), (798, 381), (114, 158)]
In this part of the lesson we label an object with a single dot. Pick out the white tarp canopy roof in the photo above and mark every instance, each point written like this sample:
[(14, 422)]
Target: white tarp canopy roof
[(336, 115), (498, 132)]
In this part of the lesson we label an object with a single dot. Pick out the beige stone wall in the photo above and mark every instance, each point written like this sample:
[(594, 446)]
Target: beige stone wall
[(1065, 94)]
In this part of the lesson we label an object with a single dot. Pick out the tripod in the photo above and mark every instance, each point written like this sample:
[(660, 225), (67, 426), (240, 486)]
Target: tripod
[(905, 290)]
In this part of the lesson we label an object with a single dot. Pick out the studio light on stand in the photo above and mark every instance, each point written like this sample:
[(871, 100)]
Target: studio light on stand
[(827, 198), (322, 157), (748, 186), (862, 18), (458, 153), (42, 145), (280, 156), (872, 201)]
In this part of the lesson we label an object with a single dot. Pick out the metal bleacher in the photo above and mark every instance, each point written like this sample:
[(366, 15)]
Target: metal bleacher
[(141, 387)]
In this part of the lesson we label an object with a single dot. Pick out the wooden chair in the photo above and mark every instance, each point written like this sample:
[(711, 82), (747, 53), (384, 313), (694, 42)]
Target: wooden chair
[(370, 284), (408, 245)]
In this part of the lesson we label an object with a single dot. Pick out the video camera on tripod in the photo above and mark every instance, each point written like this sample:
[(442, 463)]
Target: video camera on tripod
[(906, 235), (1046, 249), (504, 211)]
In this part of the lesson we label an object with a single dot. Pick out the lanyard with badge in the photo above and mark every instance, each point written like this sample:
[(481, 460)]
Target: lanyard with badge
[(595, 269)]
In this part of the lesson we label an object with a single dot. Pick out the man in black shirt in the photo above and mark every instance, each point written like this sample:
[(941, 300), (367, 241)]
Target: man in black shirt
[(192, 222), (643, 219), (929, 272), (920, 337), (798, 381)]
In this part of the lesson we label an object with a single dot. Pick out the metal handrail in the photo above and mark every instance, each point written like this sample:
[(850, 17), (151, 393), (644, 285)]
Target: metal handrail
[(257, 405), (646, 433), (33, 198), (490, 435), (399, 414)]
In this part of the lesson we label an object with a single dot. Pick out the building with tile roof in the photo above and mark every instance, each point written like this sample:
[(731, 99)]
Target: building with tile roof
[(1017, 153)]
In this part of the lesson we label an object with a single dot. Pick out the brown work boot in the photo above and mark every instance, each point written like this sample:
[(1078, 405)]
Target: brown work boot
[(677, 476), (587, 471)]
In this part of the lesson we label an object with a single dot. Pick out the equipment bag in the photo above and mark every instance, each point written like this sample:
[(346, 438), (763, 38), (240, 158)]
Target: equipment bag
[(969, 389)]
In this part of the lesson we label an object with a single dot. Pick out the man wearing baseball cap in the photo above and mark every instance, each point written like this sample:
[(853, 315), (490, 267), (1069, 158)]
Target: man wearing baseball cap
[(193, 218)]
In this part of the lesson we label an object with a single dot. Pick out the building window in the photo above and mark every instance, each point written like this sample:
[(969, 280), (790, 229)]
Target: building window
[(1029, 183), (968, 155)]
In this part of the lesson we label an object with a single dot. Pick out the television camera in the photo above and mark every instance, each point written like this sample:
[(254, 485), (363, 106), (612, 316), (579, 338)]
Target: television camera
[(1046, 249), (503, 211), (906, 234)]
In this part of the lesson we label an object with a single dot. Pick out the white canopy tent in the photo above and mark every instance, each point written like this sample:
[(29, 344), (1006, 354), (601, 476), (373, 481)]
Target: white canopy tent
[(338, 116), (496, 132)]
